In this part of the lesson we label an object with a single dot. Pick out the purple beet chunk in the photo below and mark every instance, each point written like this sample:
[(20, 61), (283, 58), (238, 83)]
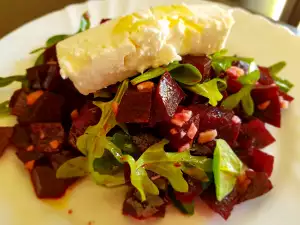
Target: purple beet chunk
[(168, 95), (132, 206), (265, 76), (47, 108), (233, 85), (223, 207), (259, 185), (202, 63), (46, 184), (5, 135), (135, 107), (18, 104), (21, 137), (26, 156), (89, 115), (256, 131), (47, 137), (262, 162), (272, 113)]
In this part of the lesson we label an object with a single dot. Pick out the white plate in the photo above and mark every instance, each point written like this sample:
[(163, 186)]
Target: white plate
[(251, 36)]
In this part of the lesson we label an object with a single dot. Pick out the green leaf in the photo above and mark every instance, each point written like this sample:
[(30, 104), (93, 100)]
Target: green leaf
[(107, 164), (183, 73), (39, 60), (209, 90), (4, 81), (124, 142), (250, 78), (186, 208), (248, 104), (282, 83), (76, 167), (4, 109), (37, 50), (276, 68), (226, 168), (55, 39), (85, 22), (233, 100)]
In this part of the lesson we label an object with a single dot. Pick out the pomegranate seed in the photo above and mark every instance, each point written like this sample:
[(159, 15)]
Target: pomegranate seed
[(145, 86), (177, 122), (235, 72), (115, 107), (207, 136), (192, 131), (173, 131), (264, 105), (184, 147)]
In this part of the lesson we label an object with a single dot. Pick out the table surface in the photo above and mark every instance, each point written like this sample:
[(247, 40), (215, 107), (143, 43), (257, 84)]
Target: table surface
[(14, 13)]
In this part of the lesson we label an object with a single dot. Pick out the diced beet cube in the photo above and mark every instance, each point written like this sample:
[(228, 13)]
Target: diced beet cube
[(202, 63), (195, 189), (135, 107), (272, 113), (46, 184), (144, 140), (259, 185), (47, 108), (5, 135), (47, 137), (155, 206), (233, 85), (26, 156), (21, 137), (265, 76), (18, 104), (245, 153), (262, 162), (89, 115), (223, 207), (256, 131), (168, 95)]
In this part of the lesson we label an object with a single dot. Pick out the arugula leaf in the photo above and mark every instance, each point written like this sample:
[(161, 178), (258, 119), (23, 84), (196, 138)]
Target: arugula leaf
[(37, 50), (283, 84), (209, 90), (248, 104), (232, 101), (76, 167), (85, 22), (250, 78), (183, 73), (124, 142), (4, 108), (55, 39), (39, 60), (107, 164), (226, 168), (4, 81)]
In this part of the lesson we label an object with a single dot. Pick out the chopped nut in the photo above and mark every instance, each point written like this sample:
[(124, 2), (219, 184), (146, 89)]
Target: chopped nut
[(173, 131), (29, 165), (177, 122), (74, 114), (236, 119), (145, 86), (32, 97), (30, 148), (54, 144), (264, 105), (184, 147), (192, 131), (182, 134), (284, 104), (235, 72), (207, 136)]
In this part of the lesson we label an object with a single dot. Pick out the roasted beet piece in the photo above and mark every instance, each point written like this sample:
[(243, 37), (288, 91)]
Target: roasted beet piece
[(47, 137), (45, 77), (25, 155), (259, 185), (5, 135), (89, 115), (203, 64), (262, 162), (254, 134), (155, 206), (265, 76), (233, 85), (223, 207), (18, 104), (135, 107), (21, 137), (168, 95), (271, 114), (46, 184), (144, 141)]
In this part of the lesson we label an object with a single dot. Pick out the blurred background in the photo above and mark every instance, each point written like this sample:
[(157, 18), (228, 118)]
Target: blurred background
[(14, 13)]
